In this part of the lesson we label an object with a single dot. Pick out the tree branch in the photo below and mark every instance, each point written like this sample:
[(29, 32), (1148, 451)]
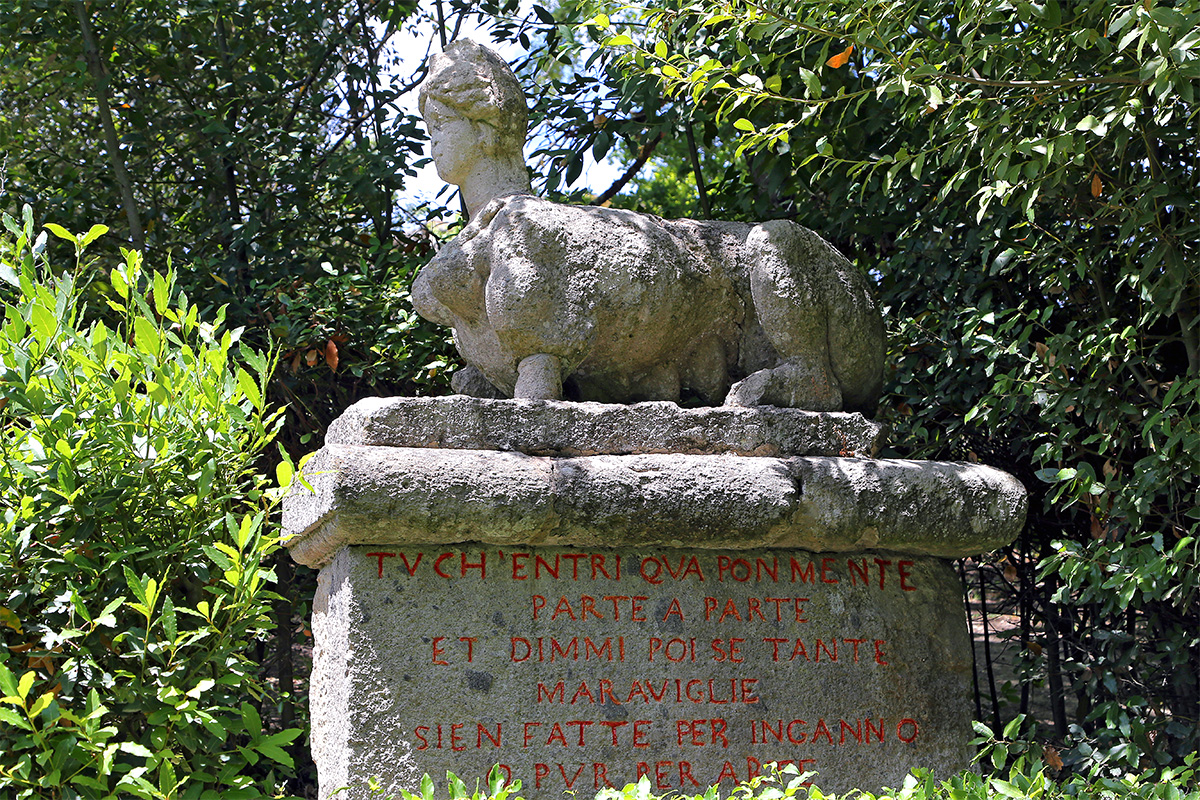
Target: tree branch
[(619, 184), (315, 72), (1061, 83), (701, 190), (91, 53)]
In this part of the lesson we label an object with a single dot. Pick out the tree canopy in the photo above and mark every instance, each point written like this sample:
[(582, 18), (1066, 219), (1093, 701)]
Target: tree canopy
[(260, 145)]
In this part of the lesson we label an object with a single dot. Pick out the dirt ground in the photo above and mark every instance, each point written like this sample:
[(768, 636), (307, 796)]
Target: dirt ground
[(996, 639)]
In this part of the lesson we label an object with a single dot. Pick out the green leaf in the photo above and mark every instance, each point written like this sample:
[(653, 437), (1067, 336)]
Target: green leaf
[(106, 617), (25, 684), (1169, 17), (166, 778), (285, 736), (79, 606), (61, 232), (220, 559), (743, 124), (162, 294), (41, 704), (43, 322), (1120, 22), (92, 783), (1007, 789), (135, 749), (495, 780), (619, 40), (10, 224), (145, 336), (158, 393), (1091, 124), (1051, 13), (246, 529), (151, 593), (10, 717), (8, 683), (812, 83), (94, 233), (169, 621), (999, 756), (9, 275), (249, 388), (284, 472), (135, 585), (253, 721), (916, 166), (275, 753), (253, 358), (204, 485)]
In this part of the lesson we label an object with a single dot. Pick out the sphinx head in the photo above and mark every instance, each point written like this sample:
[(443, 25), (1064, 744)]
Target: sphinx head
[(474, 108)]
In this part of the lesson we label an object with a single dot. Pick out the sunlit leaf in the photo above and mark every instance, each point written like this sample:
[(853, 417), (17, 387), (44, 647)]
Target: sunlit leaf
[(94, 233), (60, 232)]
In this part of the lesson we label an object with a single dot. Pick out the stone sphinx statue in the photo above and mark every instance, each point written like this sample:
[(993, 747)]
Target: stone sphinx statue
[(550, 300)]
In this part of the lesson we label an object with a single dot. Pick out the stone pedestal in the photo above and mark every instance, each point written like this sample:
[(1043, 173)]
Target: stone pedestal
[(587, 594)]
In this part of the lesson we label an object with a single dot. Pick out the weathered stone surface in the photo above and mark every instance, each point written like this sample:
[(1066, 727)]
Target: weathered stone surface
[(611, 305), (581, 667), (556, 428), (399, 495), (470, 381)]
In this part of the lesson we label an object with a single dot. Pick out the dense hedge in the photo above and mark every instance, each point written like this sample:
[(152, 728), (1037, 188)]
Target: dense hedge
[(134, 579)]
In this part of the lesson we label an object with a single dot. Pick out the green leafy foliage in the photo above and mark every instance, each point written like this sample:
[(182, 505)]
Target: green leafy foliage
[(134, 572), (250, 133), (496, 789), (1027, 779), (350, 333), (263, 146)]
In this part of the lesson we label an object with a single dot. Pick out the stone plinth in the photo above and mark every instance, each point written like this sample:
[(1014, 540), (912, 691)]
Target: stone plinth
[(586, 429), (562, 597)]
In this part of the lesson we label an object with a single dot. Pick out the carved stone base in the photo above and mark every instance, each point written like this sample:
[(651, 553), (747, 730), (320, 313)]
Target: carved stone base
[(545, 589)]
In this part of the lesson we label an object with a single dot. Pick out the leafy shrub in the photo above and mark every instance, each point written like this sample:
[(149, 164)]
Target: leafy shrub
[(496, 789), (348, 332), (1027, 778), (133, 550)]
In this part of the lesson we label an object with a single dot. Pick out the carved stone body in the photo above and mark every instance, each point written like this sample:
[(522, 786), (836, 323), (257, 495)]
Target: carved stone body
[(622, 307), (549, 300)]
